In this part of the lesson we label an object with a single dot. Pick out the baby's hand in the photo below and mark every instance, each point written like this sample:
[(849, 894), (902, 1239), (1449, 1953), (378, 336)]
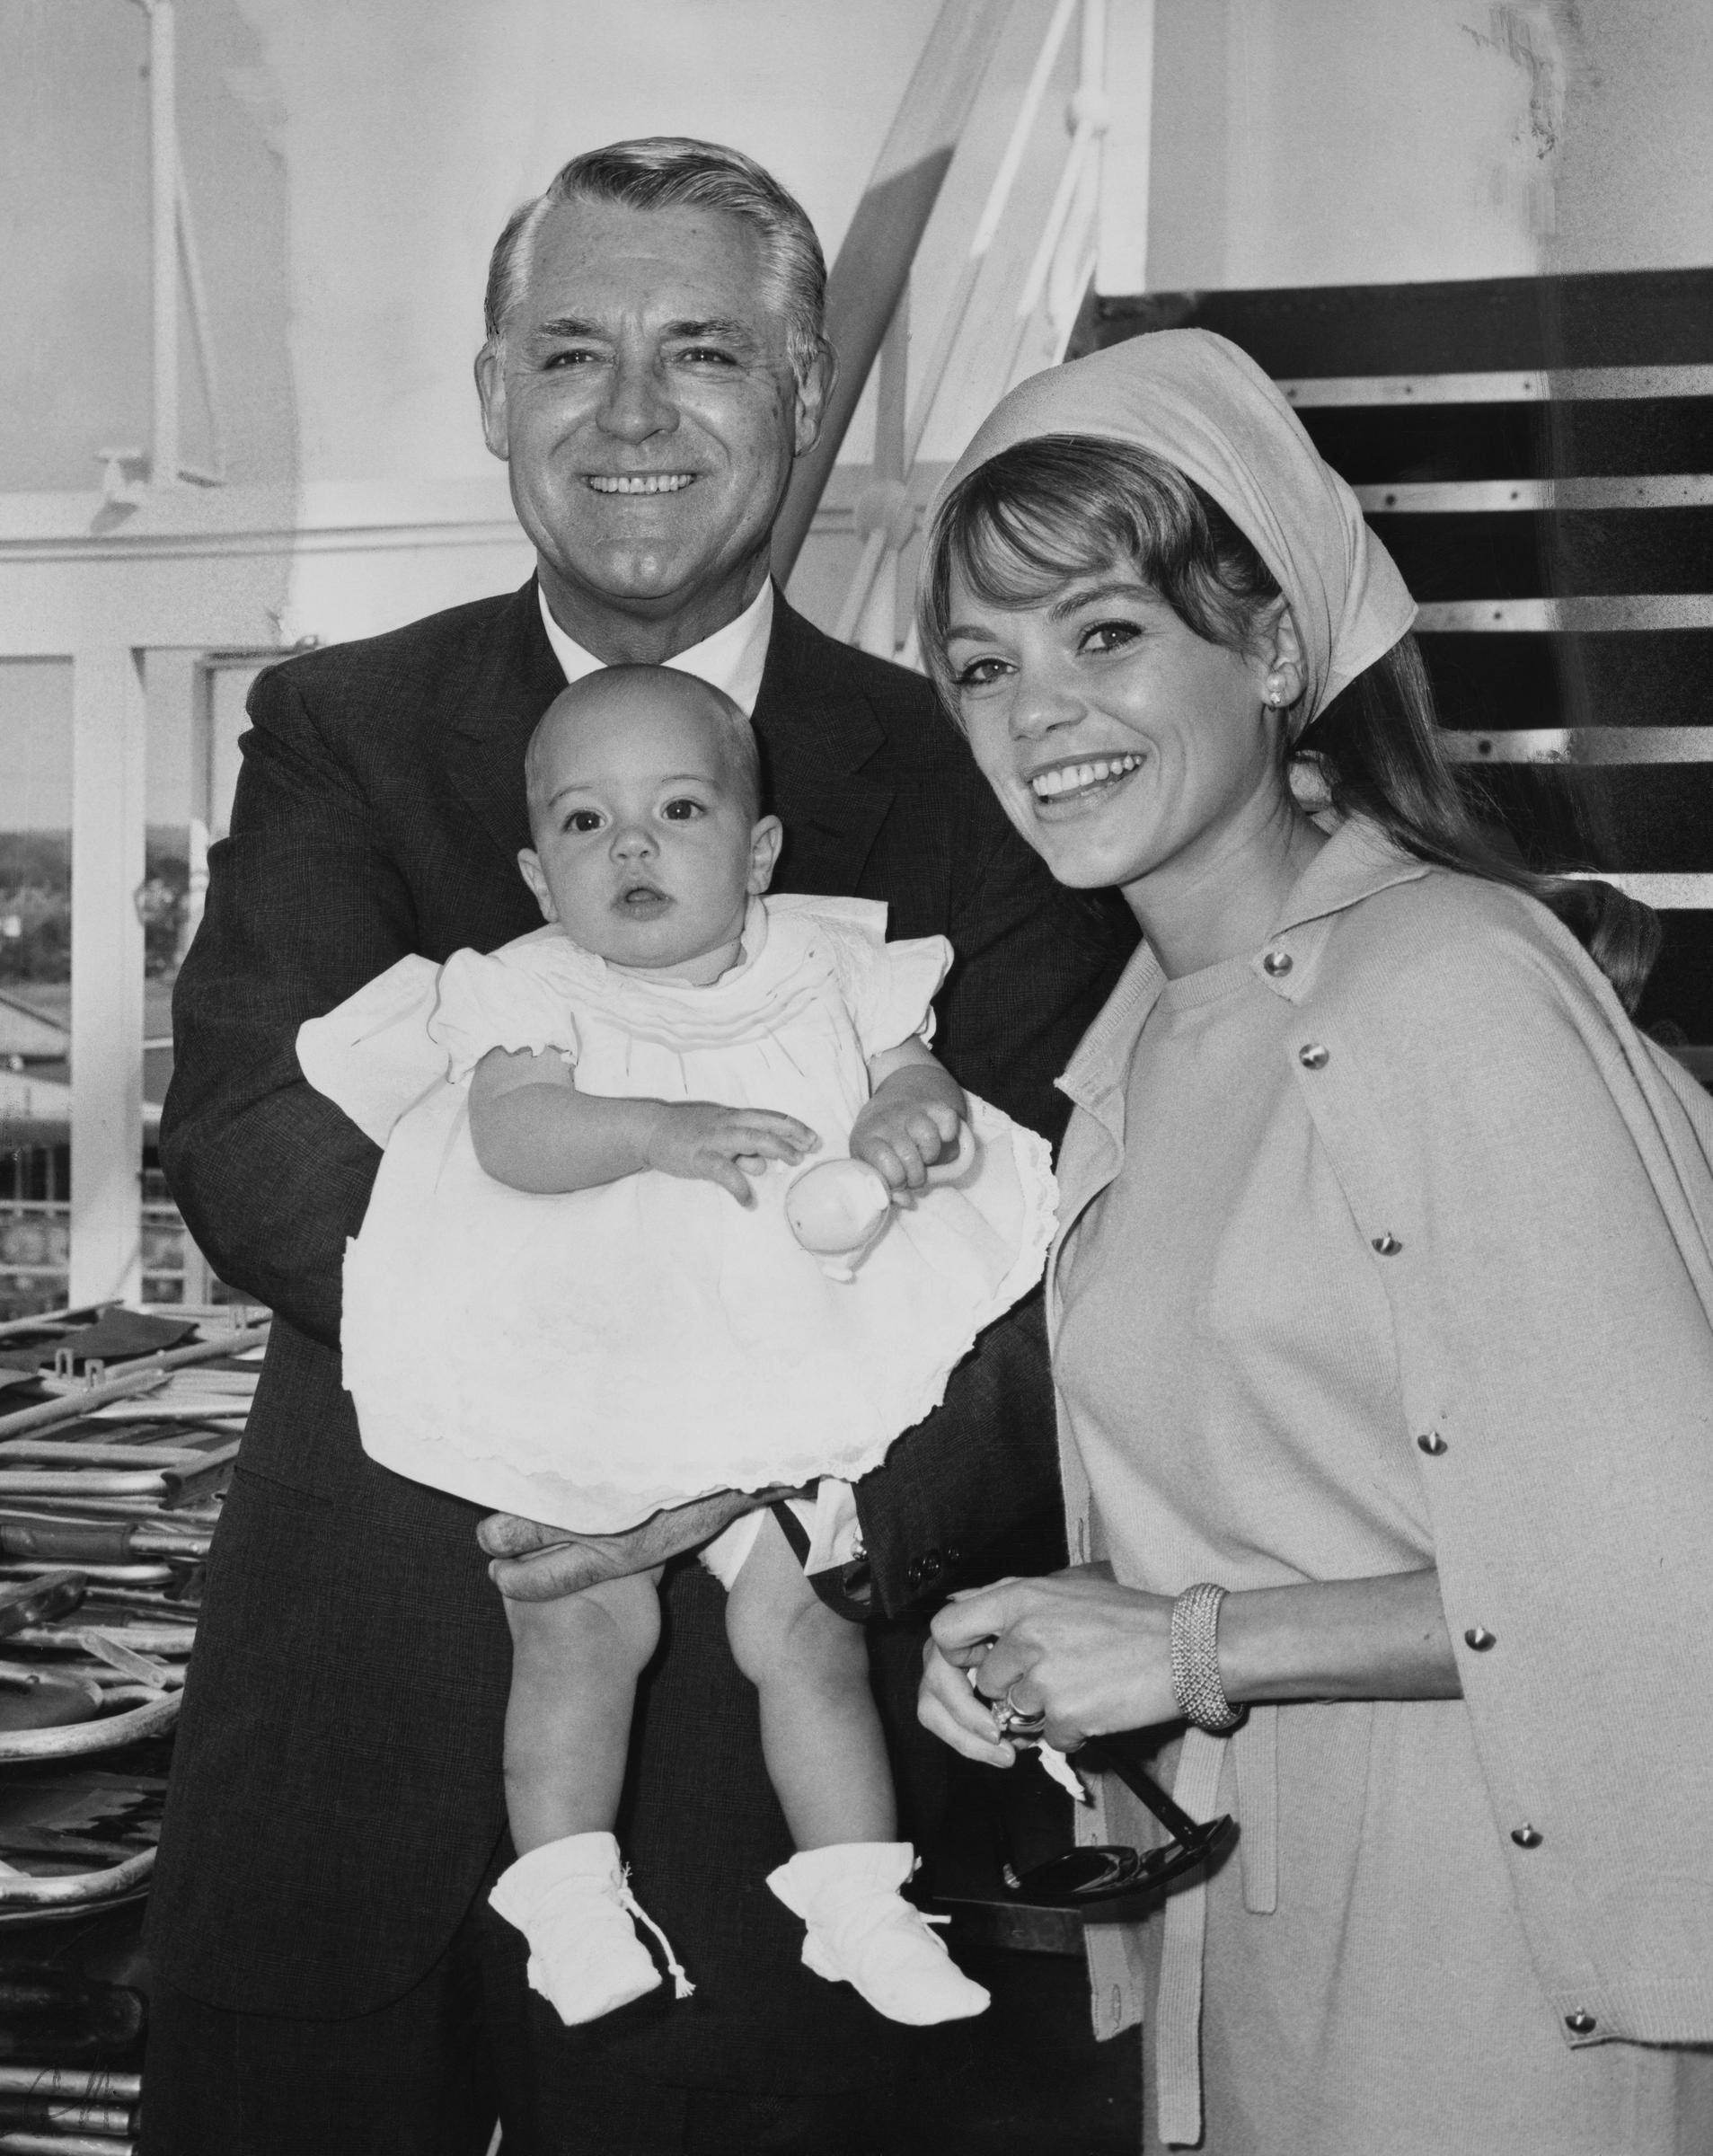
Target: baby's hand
[(705, 1143), (904, 1138)]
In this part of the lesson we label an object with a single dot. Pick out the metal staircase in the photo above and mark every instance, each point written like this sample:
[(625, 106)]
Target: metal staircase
[(1538, 456)]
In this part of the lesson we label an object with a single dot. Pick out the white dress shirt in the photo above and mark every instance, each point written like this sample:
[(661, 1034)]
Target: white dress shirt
[(731, 659)]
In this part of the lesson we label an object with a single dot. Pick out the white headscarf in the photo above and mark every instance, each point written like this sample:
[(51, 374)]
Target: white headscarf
[(1202, 404)]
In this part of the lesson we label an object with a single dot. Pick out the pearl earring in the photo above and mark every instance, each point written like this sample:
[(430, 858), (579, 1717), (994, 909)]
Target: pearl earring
[(1276, 689)]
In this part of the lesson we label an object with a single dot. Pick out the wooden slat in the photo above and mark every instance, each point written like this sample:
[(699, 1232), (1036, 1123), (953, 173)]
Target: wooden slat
[(1667, 894), (1621, 745), (1605, 610), (1538, 386), (1419, 497)]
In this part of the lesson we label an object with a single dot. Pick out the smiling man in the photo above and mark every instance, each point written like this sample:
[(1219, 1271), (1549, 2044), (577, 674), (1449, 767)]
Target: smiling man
[(650, 383), (328, 1974)]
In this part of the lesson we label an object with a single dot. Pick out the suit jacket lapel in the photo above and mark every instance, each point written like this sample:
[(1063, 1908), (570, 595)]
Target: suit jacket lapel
[(817, 733), (512, 679)]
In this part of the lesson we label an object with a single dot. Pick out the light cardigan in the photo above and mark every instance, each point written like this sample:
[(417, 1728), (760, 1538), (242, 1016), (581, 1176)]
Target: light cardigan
[(1534, 1181)]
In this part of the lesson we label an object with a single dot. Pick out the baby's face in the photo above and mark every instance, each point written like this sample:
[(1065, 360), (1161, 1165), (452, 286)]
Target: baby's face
[(644, 851)]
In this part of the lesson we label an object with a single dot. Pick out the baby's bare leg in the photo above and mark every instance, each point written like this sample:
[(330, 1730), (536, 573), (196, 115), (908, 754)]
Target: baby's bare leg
[(821, 1735), (574, 1671)]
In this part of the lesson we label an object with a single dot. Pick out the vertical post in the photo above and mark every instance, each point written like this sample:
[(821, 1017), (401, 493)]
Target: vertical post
[(1091, 78), (1087, 115), (201, 335), (200, 807), (879, 630), (164, 232), (199, 1275), (109, 746), (1127, 153)]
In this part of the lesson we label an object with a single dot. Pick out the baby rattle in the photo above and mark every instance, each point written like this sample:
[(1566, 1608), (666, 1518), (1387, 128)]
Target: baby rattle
[(839, 1209)]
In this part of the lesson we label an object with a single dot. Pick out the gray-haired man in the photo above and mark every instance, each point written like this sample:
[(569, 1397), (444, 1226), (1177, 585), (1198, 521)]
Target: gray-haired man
[(329, 1976)]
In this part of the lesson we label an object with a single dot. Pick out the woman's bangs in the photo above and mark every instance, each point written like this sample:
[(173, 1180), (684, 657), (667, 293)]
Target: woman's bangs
[(1017, 549)]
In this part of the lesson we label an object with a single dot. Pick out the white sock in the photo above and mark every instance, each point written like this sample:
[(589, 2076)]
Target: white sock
[(863, 1933), (572, 1900)]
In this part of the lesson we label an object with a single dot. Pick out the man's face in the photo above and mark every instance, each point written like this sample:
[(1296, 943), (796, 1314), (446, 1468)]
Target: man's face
[(643, 397)]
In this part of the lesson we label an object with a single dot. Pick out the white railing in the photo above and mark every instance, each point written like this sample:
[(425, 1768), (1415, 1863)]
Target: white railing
[(874, 613), (148, 609)]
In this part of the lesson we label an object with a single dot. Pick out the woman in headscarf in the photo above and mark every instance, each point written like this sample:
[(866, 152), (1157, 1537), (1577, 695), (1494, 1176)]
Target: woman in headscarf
[(1380, 1320)]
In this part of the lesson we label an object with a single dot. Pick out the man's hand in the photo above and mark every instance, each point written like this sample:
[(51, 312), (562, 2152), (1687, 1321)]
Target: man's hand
[(705, 1143), (533, 1563)]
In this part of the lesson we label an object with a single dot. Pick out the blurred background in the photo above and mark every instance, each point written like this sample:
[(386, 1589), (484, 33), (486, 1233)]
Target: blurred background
[(245, 245)]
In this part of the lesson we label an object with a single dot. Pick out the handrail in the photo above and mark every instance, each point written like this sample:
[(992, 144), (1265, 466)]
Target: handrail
[(885, 513), (872, 267), (987, 227), (1046, 249)]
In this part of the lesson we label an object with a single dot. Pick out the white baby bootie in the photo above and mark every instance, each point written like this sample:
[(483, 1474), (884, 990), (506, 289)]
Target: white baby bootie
[(861, 1930), (573, 1902)]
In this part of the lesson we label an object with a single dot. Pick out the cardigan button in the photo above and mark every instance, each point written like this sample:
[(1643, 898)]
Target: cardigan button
[(1526, 1836), (1431, 1443), (1276, 964), (1314, 1057), (1388, 1246), (1480, 1639), (1580, 2025)]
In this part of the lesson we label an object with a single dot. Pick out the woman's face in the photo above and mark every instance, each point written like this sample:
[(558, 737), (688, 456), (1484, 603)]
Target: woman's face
[(1120, 743)]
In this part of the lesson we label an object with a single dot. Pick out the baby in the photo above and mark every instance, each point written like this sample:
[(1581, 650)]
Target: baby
[(575, 1295)]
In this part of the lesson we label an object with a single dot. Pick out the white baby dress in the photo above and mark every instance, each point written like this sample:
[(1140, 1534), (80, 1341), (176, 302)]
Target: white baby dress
[(585, 1358)]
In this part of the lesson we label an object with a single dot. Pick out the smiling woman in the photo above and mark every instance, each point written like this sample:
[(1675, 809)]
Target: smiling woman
[(1381, 1315), (1102, 554), (1131, 751)]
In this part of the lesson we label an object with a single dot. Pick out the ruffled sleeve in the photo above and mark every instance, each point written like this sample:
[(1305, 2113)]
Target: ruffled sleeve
[(888, 987), (506, 1000), (371, 1054)]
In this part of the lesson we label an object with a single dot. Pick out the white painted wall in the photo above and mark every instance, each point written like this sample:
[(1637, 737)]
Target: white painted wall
[(350, 162), (1636, 179), (1309, 142)]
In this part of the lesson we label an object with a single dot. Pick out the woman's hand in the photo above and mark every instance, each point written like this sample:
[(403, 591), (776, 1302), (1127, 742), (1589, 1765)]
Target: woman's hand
[(1094, 1655), (948, 1709)]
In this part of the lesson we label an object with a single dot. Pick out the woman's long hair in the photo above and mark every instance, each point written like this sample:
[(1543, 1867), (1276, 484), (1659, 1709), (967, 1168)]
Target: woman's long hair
[(1019, 526)]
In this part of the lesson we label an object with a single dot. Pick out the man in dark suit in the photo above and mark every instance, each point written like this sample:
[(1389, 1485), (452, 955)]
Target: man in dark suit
[(328, 1975)]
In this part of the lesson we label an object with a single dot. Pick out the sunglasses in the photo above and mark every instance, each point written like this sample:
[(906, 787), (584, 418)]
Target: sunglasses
[(1108, 1870)]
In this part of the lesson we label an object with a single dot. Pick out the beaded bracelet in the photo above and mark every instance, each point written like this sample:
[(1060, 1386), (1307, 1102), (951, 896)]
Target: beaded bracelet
[(1195, 1681)]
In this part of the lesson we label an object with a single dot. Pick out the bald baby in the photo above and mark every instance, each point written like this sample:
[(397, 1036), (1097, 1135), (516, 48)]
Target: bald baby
[(617, 693), (644, 804)]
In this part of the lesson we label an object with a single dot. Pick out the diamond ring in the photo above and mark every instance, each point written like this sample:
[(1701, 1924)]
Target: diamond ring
[(1013, 1721)]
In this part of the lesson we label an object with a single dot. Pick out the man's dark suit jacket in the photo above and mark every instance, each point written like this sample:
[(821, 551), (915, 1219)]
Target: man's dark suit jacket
[(336, 1794)]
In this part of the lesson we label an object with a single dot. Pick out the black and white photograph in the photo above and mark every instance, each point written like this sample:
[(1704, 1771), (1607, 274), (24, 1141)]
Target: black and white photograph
[(856, 1019)]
